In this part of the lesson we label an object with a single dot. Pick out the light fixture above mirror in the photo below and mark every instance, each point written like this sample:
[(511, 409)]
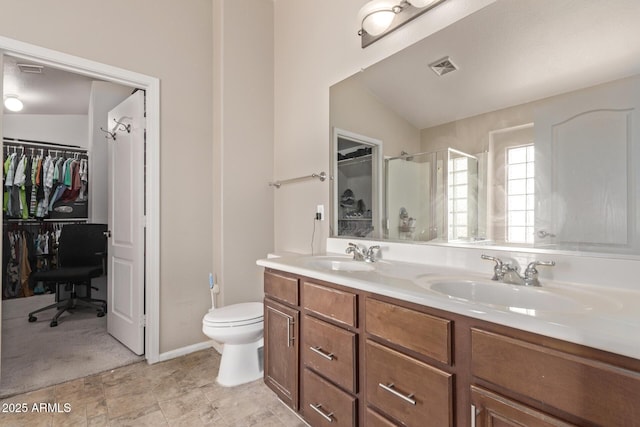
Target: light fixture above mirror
[(380, 17)]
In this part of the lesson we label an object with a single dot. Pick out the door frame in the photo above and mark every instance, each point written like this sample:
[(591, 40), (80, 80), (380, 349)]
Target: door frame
[(151, 85), (376, 177)]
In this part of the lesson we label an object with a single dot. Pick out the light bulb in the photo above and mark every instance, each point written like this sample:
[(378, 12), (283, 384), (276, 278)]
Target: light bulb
[(13, 103), (376, 16)]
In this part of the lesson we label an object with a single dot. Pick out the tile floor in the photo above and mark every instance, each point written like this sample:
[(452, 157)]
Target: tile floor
[(178, 392)]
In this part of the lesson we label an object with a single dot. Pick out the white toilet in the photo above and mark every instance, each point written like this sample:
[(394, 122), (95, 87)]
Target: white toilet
[(240, 328)]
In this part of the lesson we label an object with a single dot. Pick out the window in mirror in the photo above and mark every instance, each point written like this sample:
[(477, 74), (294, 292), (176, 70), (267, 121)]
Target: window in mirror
[(458, 198), (520, 194), (356, 186), (461, 196)]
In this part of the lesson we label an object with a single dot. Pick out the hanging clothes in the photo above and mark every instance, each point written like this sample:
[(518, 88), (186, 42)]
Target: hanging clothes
[(35, 185)]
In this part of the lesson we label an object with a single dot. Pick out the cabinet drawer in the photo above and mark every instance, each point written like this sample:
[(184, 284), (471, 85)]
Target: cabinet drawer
[(325, 404), (373, 419), (332, 303), (331, 351), (281, 287), (600, 393), (423, 333), (407, 389), (491, 410)]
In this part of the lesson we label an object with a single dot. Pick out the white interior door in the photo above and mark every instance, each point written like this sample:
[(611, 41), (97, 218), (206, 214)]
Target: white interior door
[(125, 301), (588, 201)]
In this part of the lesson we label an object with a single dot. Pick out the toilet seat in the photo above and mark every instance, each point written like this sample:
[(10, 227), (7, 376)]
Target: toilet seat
[(235, 315)]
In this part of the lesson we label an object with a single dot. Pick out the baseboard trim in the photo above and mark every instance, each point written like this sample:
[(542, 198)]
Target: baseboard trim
[(183, 351)]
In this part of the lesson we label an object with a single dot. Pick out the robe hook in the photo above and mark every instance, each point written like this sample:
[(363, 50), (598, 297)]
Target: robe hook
[(108, 135), (122, 126)]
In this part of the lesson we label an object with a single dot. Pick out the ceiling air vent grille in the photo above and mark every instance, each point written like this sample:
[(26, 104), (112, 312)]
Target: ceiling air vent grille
[(31, 68), (443, 66)]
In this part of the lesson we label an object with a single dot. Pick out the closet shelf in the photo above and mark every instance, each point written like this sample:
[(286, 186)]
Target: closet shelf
[(355, 160)]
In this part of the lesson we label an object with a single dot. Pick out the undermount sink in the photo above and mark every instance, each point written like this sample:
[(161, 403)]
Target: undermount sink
[(518, 299), (338, 264)]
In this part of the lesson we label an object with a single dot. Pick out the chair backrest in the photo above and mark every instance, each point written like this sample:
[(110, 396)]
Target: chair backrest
[(82, 245)]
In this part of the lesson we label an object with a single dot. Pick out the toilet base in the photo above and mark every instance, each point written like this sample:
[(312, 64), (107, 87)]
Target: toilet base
[(240, 364)]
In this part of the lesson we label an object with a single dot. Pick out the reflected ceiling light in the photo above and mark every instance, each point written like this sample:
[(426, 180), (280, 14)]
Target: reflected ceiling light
[(379, 17), (13, 103)]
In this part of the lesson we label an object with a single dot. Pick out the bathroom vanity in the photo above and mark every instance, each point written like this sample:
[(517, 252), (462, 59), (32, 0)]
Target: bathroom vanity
[(350, 343)]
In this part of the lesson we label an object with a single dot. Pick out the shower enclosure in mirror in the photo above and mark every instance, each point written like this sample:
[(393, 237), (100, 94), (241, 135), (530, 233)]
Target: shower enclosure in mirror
[(356, 172), (434, 196)]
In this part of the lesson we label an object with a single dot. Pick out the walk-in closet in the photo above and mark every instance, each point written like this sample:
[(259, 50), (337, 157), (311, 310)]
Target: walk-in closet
[(55, 179)]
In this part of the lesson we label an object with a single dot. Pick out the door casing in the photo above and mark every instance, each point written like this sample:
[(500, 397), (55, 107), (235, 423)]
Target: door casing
[(151, 85)]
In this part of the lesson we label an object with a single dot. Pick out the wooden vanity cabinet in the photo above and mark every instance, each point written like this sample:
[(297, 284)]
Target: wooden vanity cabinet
[(329, 352), (353, 358), (281, 336)]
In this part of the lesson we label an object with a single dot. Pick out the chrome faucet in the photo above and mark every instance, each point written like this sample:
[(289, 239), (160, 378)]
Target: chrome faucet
[(368, 255), (354, 249), (509, 273)]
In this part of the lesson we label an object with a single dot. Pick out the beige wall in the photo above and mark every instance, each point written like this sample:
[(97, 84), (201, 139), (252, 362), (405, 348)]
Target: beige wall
[(471, 135), (316, 46), (355, 109), (170, 40), (243, 145)]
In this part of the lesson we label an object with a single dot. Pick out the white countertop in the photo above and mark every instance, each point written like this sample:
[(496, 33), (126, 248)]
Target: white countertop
[(601, 317)]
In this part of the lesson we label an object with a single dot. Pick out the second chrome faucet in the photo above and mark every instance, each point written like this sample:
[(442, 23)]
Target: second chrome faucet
[(367, 255), (509, 273)]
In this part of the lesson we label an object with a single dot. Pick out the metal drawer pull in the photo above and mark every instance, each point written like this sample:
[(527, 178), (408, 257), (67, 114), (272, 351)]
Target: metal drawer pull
[(328, 417), (289, 337), (318, 350), (474, 414), (409, 398)]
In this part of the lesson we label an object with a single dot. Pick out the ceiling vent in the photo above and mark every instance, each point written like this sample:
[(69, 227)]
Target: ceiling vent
[(31, 68), (443, 66)]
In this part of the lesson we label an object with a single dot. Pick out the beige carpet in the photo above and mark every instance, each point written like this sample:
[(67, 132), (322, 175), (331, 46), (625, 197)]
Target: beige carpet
[(35, 355)]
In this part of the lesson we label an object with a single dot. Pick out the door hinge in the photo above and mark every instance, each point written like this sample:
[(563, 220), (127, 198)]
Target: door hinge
[(143, 321)]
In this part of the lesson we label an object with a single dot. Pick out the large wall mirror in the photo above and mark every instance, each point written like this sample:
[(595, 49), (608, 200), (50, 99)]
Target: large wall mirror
[(518, 126)]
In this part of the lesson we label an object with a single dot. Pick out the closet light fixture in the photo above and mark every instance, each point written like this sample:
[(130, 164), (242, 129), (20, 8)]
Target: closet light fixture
[(380, 17), (13, 103)]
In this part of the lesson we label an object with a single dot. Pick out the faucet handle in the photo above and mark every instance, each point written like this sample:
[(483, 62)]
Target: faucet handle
[(532, 265), (369, 254), (531, 273), (498, 272)]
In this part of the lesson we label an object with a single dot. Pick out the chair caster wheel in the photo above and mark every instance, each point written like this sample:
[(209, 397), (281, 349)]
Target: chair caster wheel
[(101, 314), (32, 319), (53, 323)]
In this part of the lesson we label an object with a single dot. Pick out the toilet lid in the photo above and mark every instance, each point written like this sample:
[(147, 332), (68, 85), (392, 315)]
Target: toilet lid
[(245, 313)]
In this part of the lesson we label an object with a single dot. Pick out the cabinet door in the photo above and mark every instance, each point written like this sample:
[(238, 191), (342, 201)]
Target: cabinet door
[(493, 410), (281, 351)]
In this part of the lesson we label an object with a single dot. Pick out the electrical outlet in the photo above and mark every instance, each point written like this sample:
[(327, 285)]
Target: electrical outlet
[(320, 212)]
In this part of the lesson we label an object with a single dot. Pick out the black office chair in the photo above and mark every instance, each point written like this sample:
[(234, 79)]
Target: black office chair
[(81, 252)]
